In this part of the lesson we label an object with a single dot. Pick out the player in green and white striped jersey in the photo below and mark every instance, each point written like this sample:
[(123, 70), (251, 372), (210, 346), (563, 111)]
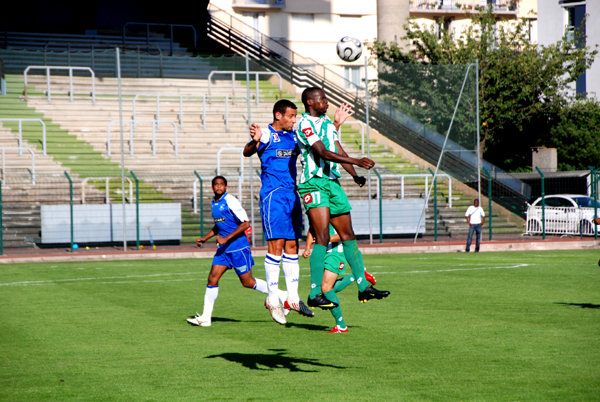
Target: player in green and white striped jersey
[(324, 199)]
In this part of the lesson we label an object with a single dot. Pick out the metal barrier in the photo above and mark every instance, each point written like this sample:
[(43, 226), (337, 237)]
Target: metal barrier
[(147, 24), (181, 113), (70, 69), (21, 131), (20, 153), (131, 135), (107, 179), (233, 73), (402, 178), (560, 220), (102, 47)]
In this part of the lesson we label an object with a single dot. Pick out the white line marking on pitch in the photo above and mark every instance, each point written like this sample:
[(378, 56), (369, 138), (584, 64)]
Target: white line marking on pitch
[(88, 280)]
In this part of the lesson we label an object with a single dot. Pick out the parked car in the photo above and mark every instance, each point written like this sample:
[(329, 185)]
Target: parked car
[(564, 214)]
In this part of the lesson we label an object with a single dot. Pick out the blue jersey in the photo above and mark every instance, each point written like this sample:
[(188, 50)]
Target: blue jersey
[(278, 151), (228, 215)]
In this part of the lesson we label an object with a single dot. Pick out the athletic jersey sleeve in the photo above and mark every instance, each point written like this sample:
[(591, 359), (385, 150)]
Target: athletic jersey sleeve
[(307, 132), (265, 138), (236, 208)]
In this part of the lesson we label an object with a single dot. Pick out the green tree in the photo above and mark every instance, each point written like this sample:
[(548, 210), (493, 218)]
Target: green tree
[(519, 81), (575, 133)]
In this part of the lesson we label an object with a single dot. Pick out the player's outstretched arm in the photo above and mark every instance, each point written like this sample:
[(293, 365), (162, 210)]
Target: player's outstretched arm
[(251, 147), (324, 153), (341, 114), (200, 242), (239, 230)]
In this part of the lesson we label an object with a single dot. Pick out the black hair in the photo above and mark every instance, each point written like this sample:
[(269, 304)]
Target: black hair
[(282, 105), (218, 177), (307, 94)]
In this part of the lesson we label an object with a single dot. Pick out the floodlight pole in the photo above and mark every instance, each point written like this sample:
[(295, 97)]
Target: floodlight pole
[(248, 124), (368, 150), (118, 56)]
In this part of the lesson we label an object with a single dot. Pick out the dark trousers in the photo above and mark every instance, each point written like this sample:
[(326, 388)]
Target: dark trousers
[(476, 229)]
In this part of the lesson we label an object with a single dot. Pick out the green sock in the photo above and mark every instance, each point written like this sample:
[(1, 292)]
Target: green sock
[(354, 257), (336, 312), (343, 283), (317, 267)]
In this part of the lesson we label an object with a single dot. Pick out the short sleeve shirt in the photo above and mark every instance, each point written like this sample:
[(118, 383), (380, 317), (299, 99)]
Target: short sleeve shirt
[(311, 130), (475, 215), (278, 152), (228, 215)]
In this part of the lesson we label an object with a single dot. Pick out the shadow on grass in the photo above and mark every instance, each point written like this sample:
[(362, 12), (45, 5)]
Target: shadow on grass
[(271, 361), (582, 305)]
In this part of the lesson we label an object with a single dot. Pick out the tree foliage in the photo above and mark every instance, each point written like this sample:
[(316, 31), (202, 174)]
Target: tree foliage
[(519, 81)]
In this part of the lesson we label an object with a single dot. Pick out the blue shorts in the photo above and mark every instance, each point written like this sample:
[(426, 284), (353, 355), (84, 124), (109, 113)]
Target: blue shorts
[(281, 214), (241, 260)]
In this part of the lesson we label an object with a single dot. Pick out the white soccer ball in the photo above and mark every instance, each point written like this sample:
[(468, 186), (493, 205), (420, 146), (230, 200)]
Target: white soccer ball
[(349, 49)]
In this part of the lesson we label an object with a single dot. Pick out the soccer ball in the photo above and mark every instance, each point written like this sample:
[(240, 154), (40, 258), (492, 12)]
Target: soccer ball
[(349, 49)]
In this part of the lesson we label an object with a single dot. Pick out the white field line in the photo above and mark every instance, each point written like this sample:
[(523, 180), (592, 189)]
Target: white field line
[(93, 280)]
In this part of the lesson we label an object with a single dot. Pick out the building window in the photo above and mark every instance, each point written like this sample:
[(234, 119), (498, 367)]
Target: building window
[(353, 77), (443, 25), (575, 16)]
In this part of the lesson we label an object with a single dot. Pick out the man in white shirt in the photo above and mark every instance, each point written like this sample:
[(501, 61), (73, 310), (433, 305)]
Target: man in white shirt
[(475, 218)]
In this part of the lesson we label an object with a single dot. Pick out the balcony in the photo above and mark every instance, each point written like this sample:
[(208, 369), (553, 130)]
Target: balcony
[(461, 6), (258, 4)]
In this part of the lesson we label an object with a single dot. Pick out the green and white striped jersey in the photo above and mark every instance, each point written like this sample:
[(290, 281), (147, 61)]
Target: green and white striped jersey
[(310, 130)]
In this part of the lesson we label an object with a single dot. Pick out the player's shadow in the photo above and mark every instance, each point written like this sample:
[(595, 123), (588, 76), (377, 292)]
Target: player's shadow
[(221, 319), (582, 305), (309, 327), (274, 361)]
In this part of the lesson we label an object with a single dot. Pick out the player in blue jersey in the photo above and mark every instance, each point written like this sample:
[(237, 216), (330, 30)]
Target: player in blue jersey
[(280, 207), (233, 249)]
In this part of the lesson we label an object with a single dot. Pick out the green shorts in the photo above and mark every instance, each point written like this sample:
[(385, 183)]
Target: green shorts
[(336, 263), (320, 192)]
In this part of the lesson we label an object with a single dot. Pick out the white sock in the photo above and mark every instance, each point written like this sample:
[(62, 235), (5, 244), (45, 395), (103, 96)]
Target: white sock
[(261, 286), (291, 269), (283, 295), (209, 300), (272, 274)]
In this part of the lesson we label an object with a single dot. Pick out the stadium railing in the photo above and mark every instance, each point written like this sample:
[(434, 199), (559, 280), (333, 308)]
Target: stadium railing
[(70, 70), (21, 121), (171, 26), (131, 136), (20, 149), (409, 133), (257, 74)]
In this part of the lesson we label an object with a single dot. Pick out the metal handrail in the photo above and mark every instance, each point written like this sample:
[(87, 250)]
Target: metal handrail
[(70, 69), (154, 122), (148, 24), (21, 132), (425, 175), (101, 45), (181, 97), (108, 179), (20, 153), (256, 74)]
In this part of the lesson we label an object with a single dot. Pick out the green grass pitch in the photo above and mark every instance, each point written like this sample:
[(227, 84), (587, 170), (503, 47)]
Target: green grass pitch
[(519, 326)]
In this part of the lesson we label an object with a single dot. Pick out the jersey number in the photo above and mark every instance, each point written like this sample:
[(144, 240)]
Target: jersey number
[(314, 197)]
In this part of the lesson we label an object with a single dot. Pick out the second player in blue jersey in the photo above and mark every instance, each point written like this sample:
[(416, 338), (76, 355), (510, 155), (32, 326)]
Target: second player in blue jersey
[(280, 208)]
